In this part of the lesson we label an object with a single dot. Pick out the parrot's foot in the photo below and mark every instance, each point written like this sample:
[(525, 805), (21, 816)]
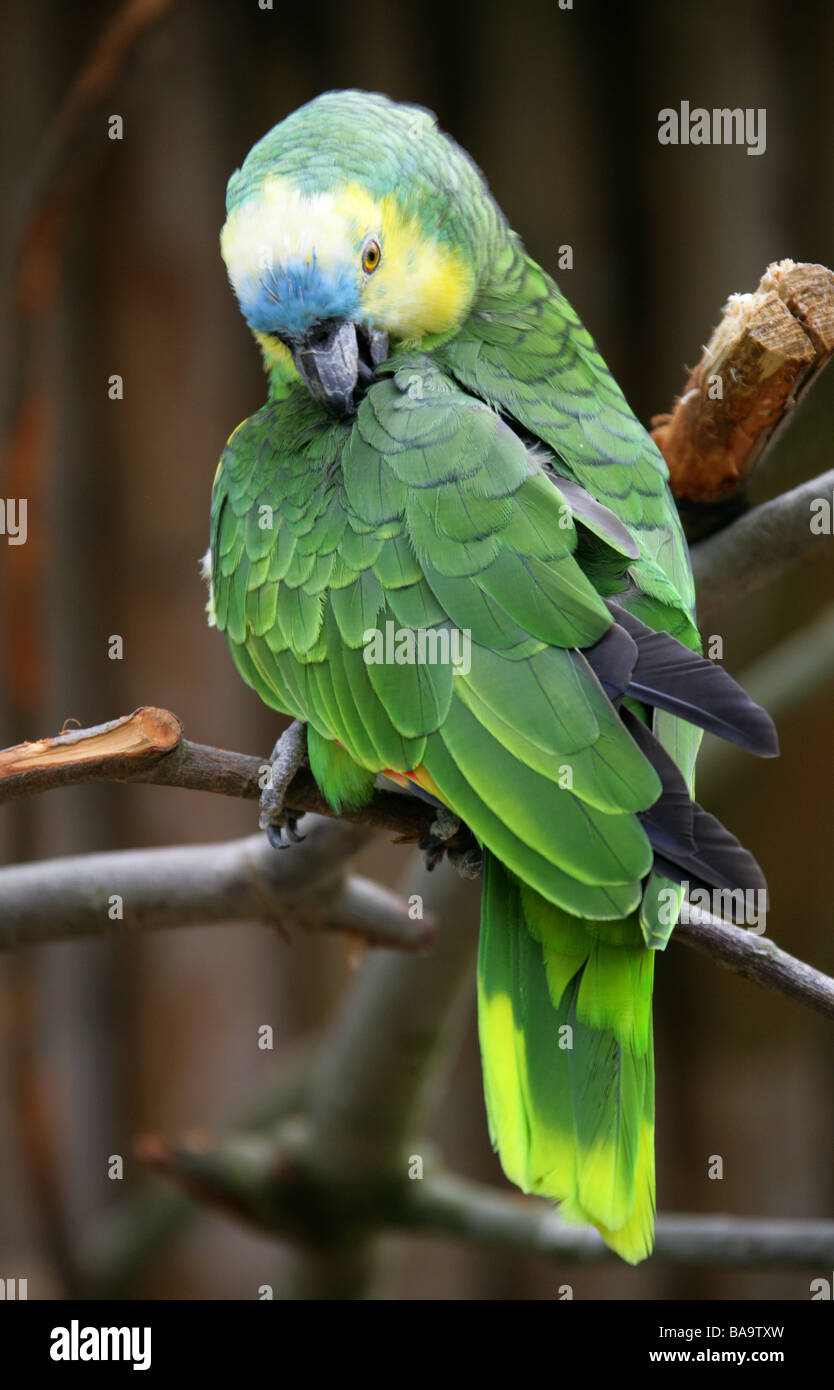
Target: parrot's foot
[(442, 829), (467, 860), (288, 755)]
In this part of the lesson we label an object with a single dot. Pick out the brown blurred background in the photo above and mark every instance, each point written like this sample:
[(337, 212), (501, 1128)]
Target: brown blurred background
[(560, 110)]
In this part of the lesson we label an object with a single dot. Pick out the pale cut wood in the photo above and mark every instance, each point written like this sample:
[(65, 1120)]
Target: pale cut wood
[(764, 354)]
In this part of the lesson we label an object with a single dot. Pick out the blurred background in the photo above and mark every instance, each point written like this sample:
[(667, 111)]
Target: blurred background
[(105, 1040)]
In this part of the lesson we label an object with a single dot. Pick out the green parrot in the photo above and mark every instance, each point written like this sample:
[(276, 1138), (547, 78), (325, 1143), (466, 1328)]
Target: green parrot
[(447, 549)]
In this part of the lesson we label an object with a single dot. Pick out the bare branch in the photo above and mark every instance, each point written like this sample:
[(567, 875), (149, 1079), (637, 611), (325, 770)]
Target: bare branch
[(147, 746), (757, 959), (269, 1183), (365, 1101), (760, 546), (237, 881), (228, 882), (481, 1215), (765, 352), (114, 750)]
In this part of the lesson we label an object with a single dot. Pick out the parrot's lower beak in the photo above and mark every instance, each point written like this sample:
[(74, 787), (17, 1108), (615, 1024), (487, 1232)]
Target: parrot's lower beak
[(337, 361)]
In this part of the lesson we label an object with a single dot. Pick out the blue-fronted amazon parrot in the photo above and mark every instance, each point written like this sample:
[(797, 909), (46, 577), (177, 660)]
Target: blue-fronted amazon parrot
[(443, 451)]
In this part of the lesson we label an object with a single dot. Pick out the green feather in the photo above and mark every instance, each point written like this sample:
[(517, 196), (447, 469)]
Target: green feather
[(342, 781), (561, 1034)]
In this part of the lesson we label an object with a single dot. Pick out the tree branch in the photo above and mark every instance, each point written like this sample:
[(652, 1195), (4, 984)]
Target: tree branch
[(445, 1204), (265, 1181), (233, 882), (334, 1176), (236, 881), (59, 169), (147, 746), (767, 349), (757, 959), (760, 546)]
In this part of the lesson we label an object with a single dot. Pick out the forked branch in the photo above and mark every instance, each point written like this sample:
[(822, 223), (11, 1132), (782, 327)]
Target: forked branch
[(170, 887)]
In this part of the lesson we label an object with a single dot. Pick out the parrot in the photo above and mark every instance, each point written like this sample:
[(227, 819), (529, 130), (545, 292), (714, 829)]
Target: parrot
[(444, 454)]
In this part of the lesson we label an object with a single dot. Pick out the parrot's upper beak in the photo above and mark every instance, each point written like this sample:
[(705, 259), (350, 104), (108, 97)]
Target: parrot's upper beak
[(337, 360)]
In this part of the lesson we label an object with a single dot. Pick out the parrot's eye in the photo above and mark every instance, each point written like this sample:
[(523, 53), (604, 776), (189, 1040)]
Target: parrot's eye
[(371, 256)]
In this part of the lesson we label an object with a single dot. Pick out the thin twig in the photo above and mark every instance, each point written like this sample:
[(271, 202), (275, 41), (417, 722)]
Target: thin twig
[(757, 959), (63, 162)]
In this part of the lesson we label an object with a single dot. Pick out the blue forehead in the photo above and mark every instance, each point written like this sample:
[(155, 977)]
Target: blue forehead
[(289, 299)]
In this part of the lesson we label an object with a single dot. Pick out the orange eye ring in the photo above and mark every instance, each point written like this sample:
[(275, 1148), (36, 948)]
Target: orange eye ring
[(371, 256)]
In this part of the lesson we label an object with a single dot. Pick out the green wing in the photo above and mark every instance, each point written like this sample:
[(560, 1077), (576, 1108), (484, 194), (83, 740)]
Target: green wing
[(428, 513), (524, 349)]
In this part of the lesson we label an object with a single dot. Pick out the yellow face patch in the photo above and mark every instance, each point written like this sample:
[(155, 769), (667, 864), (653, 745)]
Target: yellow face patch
[(419, 287)]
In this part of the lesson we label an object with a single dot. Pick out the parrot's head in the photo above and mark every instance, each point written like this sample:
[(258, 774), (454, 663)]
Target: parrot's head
[(355, 226)]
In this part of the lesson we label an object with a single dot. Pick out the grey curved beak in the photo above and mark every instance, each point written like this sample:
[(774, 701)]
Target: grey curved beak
[(337, 361)]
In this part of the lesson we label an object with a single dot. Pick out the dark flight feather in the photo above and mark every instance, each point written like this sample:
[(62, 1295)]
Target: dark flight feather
[(655, 668), (690, 845)]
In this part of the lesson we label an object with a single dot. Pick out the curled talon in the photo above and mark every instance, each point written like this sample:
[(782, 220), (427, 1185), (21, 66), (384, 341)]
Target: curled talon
[(445, 825), (276, 830), (433, 849), (468, 862), (288, 755), (467, 859)]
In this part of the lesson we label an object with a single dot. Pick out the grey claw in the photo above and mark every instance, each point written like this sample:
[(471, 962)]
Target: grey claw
[(288, 755), (468, 860), (433, 849), (444, 825)]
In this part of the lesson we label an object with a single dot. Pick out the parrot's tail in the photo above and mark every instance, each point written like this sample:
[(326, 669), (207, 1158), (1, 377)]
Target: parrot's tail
[(565, 1022)]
